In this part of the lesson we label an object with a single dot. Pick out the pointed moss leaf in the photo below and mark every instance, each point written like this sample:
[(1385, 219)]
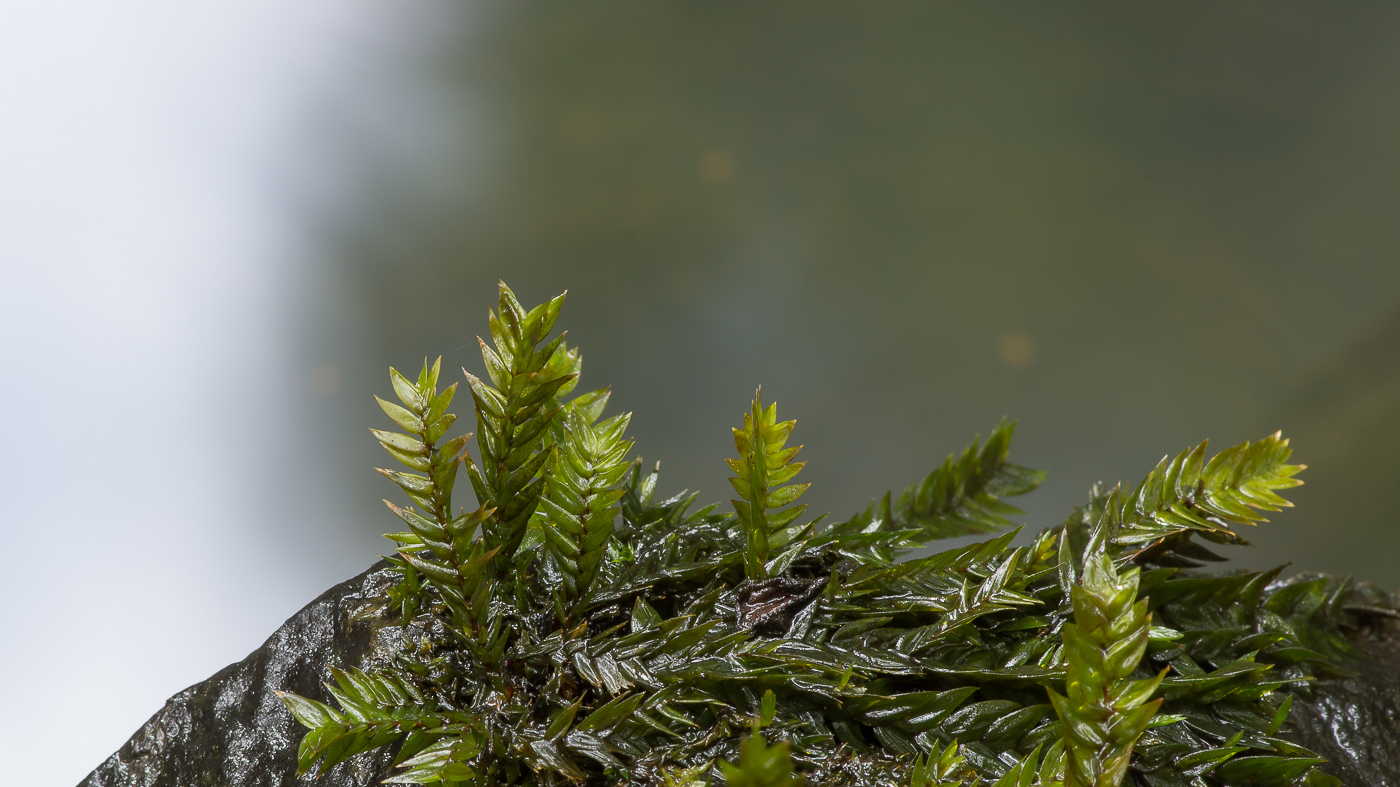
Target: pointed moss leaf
[(611, 714), (308, 712), (782, 496), (407, 392), (400, 416), (590, 406)]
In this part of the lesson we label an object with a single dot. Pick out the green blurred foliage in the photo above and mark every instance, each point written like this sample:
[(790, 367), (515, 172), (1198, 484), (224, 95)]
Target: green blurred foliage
[(1126, 226)]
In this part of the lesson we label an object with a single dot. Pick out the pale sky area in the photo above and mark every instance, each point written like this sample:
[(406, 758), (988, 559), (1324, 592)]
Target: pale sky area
[(157, 159)]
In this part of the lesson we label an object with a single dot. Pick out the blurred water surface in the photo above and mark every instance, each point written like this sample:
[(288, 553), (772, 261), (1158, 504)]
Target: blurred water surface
[(1130, 228)]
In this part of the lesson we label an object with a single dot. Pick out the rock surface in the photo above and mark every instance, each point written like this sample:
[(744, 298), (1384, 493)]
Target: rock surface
[(1355, 723), (232, 731)]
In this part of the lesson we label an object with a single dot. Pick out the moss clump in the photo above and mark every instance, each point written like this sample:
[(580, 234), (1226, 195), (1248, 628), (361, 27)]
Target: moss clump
[(573, 628)]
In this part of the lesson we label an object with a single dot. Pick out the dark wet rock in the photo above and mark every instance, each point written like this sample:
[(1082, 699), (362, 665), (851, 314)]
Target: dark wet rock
[(1355, 722), (232, 731), (769, 606)]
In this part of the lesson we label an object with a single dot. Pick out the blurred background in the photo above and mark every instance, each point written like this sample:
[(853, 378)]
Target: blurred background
[(1130, 228)]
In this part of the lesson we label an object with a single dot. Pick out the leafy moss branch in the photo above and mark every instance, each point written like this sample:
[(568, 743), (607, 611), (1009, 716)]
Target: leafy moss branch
[(376, 709), (513, 415), (1186, 494), (762, 765), (423, 416), (437, 545), (580, 501), (964, 496), (945, 768), (1104, 710), (761, 476)]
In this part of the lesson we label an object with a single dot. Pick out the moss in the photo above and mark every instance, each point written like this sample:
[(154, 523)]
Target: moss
[(574, 628)]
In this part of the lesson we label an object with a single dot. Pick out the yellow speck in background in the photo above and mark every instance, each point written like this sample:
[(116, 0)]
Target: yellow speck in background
[(717, 166), (585, 127), (1015, 349), (326, 379)]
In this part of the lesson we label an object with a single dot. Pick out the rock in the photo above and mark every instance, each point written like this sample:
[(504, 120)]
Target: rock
[(232, 731), (1355, 722)]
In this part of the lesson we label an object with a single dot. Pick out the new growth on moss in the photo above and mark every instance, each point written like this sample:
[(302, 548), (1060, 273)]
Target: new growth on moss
[(572, 628)]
